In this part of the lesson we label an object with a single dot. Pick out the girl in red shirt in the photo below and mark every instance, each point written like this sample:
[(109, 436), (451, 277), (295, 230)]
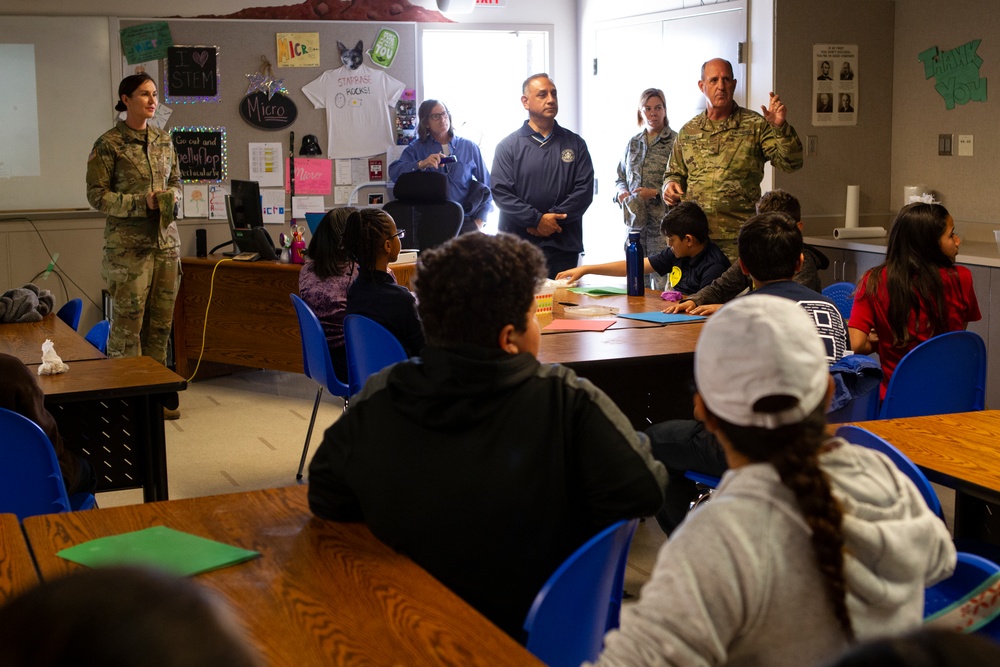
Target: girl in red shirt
[(916, 293)]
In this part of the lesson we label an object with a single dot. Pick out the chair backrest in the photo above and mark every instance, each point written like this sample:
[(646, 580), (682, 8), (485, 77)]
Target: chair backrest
[(98, 336), (842, 295), (70, 313), (423, 209), (370, 348), (315, 350), (970, 571), (426, 225), (942, 375), (865, 438), (566, 622), (30, 479)]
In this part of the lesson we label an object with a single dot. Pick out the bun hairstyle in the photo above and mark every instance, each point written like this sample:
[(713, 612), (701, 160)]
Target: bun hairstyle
[(129, 85)]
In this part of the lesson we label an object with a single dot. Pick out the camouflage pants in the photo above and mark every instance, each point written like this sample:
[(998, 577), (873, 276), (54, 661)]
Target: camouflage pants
[(143, 285)]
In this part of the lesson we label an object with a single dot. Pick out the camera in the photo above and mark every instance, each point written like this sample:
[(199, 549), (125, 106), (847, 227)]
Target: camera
[(448, 159)]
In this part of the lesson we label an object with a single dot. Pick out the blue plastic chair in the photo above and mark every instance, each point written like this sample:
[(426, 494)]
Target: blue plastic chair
[(31, 482), (942, 375), (370, 348), (861, 409), (842, 295), (618, 590), (865, 438), (317, 364), (70, 313), (98, 336), (970, 572), (566, 622)]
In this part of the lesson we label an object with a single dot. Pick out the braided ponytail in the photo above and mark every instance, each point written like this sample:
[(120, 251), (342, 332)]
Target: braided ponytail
[(794, 452)]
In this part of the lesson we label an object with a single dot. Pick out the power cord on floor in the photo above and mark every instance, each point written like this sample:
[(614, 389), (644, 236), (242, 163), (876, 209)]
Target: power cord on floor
[(204, 328)]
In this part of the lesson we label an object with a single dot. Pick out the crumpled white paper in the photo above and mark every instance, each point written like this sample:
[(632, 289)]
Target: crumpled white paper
[(51, 363)]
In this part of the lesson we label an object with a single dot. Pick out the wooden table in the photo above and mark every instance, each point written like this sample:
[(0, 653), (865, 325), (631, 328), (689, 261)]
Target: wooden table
[(958, 451), (111, 412), (17, 569), (251, 321), (24, 341), (322, 593), (646, 369)]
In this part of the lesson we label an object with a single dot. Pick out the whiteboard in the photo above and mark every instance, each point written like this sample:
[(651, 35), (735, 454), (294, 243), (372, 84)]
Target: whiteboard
[(74, 105)]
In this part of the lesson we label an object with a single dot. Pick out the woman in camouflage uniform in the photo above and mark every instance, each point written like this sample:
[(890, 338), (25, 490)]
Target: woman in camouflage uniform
[(640, 175), (133, 178)]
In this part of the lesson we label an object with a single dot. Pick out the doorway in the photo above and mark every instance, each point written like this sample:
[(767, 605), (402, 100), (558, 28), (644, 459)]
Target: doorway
[(485, 102), (673, 47)]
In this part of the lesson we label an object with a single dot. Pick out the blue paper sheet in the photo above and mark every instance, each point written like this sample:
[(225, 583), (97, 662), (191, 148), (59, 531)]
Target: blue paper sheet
[(662, 318)]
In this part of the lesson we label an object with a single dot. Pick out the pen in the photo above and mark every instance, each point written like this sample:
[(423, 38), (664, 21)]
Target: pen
[(567, 303)]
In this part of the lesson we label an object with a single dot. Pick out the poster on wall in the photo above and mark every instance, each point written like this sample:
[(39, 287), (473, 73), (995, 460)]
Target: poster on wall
[(835, 85), (201, 153), (192, 75)]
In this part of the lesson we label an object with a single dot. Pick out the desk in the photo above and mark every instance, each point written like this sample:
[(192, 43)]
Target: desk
[(251, 321), (110, 411), (24, 341), (646, 369), (322, 593), (17, 570), (957, 451)]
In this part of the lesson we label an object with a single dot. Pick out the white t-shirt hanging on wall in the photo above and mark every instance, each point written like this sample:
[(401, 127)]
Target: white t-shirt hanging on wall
[(357, 104)]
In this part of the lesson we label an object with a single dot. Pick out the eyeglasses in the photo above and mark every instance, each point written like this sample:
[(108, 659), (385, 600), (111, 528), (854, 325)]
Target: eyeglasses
[(400, 234), (438, 116)]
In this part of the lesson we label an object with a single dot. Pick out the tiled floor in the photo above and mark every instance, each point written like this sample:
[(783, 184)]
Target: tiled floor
[(245, 431)]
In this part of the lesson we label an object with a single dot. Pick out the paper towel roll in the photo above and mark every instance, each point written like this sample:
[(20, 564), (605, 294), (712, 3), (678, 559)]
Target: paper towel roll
[(858, 232), (853, 200)]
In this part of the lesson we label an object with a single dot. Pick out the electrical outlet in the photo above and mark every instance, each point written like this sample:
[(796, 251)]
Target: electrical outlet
[(812, 145), (965, 145), (944, 144)]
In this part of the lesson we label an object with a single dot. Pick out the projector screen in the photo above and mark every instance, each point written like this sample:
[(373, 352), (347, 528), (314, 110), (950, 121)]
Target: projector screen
[(55, 78)]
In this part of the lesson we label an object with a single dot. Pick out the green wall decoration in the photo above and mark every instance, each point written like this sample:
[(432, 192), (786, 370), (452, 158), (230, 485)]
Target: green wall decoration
[(956, 72)]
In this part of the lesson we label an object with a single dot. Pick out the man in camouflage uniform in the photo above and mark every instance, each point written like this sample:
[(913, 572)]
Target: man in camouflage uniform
[(718, 157), (133, 177)]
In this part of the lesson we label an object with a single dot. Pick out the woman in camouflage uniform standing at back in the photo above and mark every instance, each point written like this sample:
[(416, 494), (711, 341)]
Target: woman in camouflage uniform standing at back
[(640, 175), (133, 178)]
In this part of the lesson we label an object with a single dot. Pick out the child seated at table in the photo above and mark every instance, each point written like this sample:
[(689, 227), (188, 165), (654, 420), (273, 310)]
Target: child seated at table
[(808, 543), (324, 280), (691, 260), (118, 616), (20, 393), (372, 240), (916, 293), (770, 254), (734, 282), (484, 466)]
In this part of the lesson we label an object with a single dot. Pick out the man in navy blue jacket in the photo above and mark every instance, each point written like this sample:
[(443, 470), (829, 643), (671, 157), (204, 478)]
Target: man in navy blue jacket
[(543, 179)]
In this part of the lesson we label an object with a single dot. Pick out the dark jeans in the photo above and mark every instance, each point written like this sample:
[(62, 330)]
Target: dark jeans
[(682, 445), (560, 260)]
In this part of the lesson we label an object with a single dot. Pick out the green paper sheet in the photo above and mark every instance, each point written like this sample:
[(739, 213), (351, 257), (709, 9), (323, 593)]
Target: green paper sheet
[(171, 550), (598, 291)]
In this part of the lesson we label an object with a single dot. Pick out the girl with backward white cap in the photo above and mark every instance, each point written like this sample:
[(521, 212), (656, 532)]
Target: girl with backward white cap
[(808, 543)]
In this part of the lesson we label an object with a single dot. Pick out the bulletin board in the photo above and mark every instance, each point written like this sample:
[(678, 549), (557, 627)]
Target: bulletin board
[(239, 46)]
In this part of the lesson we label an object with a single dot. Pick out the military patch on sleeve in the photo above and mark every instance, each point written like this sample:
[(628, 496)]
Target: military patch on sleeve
[(568, 155)]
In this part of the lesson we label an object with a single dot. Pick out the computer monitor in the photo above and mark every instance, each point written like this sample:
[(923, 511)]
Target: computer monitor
[(246, 222)]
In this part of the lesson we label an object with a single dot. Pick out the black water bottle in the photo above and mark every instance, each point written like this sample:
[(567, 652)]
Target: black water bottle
[(634, 262)]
